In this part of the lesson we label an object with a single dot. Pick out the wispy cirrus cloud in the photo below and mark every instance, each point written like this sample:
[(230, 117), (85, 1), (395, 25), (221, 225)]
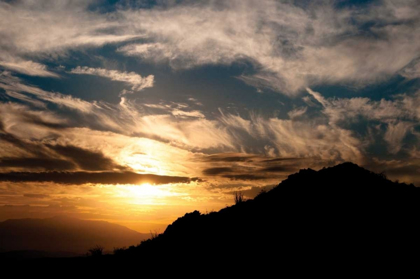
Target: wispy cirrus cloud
[(28, 68), (412, 71), (45, 26), (328, 136), (137, 82), (399, 115), (290, 45), (32, 31), (8, 82)]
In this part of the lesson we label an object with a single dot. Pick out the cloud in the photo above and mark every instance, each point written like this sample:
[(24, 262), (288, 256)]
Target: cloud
[(327, 135), (255, 167), (229, 157), (297, 112), (11, 83), (50, 140), (36, 163), (181, 113), (138, 82), (179, 110), (78, 178), (412, 71), (399, 114), (291, 47), (284, 159), (404, 170), (29, 28), (346, 109), (25, 99), (291, 138), (395, 135), (276, 169), (17, 122), (28, 68), (36, 196), (13, 113), (54, 157), (85, 159), (244, 177), (217, 171)]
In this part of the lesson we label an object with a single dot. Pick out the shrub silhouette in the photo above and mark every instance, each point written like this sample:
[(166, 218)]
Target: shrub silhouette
[(154, 234), (96, 251)]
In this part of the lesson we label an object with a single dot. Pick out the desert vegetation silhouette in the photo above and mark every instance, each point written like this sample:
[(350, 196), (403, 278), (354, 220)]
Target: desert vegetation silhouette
[(96, 251)]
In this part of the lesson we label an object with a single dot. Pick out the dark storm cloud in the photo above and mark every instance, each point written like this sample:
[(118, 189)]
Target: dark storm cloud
[(81, 177)]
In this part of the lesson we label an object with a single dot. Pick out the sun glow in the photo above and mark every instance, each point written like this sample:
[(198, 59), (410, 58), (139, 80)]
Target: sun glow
[(146, 193), (147, 190)]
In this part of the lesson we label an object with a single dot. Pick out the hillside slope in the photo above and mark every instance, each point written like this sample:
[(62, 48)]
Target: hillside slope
[(327, 214)]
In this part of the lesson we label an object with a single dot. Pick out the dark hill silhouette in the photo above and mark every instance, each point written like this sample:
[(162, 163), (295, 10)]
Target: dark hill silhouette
[(58, 236), (313, 216), (336, 220)]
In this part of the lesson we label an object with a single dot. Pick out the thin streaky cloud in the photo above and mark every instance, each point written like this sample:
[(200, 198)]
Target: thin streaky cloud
[(290, 46), (137, 82), (28, 68), (78, 178)]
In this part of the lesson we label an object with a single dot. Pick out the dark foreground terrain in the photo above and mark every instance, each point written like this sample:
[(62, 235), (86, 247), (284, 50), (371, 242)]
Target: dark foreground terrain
[(344, 216)]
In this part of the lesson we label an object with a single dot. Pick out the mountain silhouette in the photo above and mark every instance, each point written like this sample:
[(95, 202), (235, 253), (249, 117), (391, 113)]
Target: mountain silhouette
[(319, 217), (61, 236)]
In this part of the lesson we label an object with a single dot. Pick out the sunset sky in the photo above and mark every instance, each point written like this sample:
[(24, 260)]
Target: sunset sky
[(136, 112)]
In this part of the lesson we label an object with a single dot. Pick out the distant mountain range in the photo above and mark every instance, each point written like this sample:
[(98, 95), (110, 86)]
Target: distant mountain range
[(62, 236)]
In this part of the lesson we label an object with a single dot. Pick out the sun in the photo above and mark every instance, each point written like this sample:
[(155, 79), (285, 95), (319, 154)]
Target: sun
[(148, 190), (145, 193)]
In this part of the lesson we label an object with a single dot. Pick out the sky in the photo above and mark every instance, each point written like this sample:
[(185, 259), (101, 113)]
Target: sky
[(137, 112)]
